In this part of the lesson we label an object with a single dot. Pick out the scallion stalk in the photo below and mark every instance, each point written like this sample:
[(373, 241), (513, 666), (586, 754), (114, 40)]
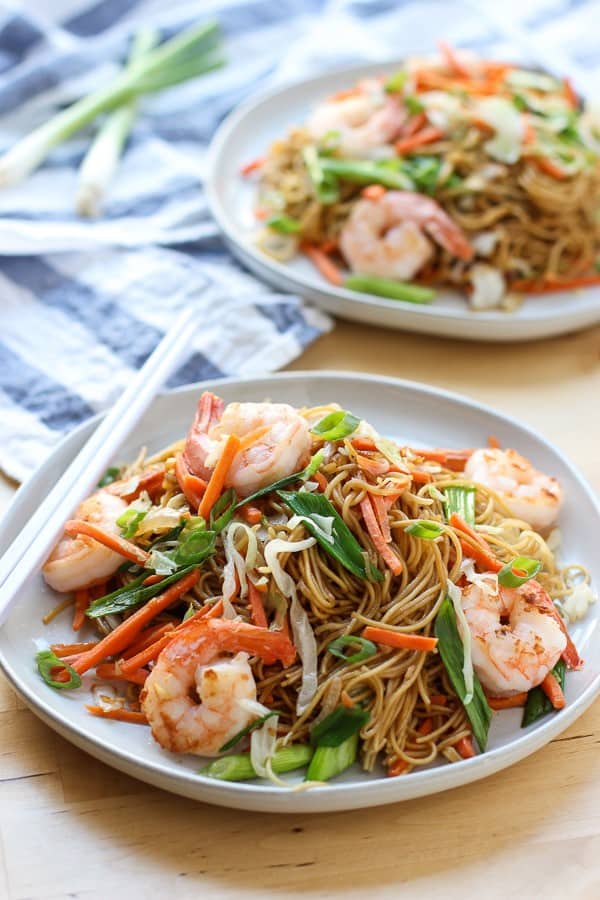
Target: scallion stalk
[(238, 767), (101, 160), (328, 762), (184, 56), (386, 287)]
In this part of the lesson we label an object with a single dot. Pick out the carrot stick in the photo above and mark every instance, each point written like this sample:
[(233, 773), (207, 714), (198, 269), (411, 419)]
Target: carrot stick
[(570, 93), (371, 465), (124, 633), (493, 442), (252, 166), (363, 443), (452, 459), (508, 702), (346, 700), (553, 691), (114, 541), (219, 473), (548, 167), (420, 476), (425, 136), (148, 637), (426, 726), (323, 263), (414, 124), (438, 700), (251, 514), (547, 286), (452, 61), (321, 481), (373, 192), (63, 650), (256, 606), (465, 747), (82, 601), (121, 715), (475, 546), (192, 486), (329, 246), (113, 671), (386, 553), (381, 513), (398, 640), (149, 481), (397, 768)]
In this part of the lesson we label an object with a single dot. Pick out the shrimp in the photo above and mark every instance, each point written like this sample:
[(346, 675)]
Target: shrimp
[(530, 495), (275, 442), (516, 656), (192, 698), (365, 120), (384, 237), (78, 562)]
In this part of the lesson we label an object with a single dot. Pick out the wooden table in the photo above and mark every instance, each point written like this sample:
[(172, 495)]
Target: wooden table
[(70, 826)]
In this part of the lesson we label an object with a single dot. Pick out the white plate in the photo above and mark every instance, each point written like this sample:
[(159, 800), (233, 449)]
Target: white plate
[(248, 132), (399, 409)]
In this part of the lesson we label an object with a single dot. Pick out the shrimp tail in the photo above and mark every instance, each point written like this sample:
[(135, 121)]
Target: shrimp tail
[(208, 413), (539, 596), (451, 238), (234, 637)]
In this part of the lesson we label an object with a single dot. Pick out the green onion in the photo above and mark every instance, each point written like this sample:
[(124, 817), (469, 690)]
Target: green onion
[(129, 520), (109, 476), (248, 729), (507, 576), (367, 650), (325, 184), (336, 425), (345, 548), (396, 82), (194, 547), (536, 81), (184, 56), (283, 224), (338, 726), (365, 171), (133, 594), (304, 475), (386, 287), (101, 160), (413, 105), (328, 762), (189, 612), (425, 530), (460, 500), (223, 511), (239, 767), (538, 705), (452, 651), (424, 171), (47, 661)]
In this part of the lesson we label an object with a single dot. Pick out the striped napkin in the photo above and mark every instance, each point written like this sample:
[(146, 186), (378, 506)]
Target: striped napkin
[(84, 303)]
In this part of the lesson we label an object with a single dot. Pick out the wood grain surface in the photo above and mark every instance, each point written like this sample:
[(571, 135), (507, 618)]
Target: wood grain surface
[(72, 827)]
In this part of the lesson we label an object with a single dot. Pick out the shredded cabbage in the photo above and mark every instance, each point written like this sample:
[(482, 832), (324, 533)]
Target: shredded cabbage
[(578, 602), (263, 740), (507, 122), (322, 524), (236, 562), (159, 518), (455, 595)]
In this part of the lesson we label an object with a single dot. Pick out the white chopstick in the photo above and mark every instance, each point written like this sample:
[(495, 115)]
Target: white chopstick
[(31, 547)]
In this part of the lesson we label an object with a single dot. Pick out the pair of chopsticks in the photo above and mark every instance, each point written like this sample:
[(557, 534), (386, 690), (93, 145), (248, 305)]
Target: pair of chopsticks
[(29, 550)]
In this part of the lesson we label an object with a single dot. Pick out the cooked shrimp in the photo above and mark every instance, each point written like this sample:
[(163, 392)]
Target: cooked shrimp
[(516, 656), (531, 495), (192, 696), (81, 561), (385, 237), (275, 442), (365, 121)]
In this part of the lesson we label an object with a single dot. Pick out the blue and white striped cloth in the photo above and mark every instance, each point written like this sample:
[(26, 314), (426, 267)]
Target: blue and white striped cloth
[(83, 303)]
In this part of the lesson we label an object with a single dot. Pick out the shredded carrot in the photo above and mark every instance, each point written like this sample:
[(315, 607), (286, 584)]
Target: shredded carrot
[(323, 263), (121, 715), (414, 124), (363, 443), (345, 94), (346, 700), (438, 700), (426, 726), (398, 640), (528, 132), (321, 481), (420, 476), (63, 650), (548, 286), (192, 486), (127, 631), (252, 437), (82, 601), (255, 603), (398, 767), (152, 579), (381, 513), (150, 481), (329, 246), (570, 93), (386, 552), (493, 442), (251, 514), (373, 465), (482, 125), (553, 691), (219, 474), (452, 60), (451, 459), (548, 167), (508, 702), (425, 136), (475, 546), (261, 213), (114, 672), (114, 541), (373, 192), (147, 637), (252, 166), (465, 747)]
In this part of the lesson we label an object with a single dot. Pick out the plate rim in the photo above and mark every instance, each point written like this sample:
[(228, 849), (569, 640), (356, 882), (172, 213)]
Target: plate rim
[(249, 795), (300, 282)]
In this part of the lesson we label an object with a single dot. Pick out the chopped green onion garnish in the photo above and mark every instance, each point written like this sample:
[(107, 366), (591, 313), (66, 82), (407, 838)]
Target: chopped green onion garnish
[(47, 661), (396, 82), (248, 729), (109, 476), (413, 105), (367, 650), (194, 547), (283, 224), (538, 705), (336, 425), (223, 511), (507, 576), (328, 762), (338, 726), (304, 475), (239, 767), (325, 184), (460, 500), (386, 287), (452, 651), (424, 529), (189, 612), (129, 521), (365, 171)]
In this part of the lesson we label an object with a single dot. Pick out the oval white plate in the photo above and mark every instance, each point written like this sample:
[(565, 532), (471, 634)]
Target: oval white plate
[(399, 409), (247, 134)]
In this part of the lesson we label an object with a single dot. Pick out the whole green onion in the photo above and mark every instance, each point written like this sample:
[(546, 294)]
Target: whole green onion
[(507, 576), (238, 767), (386, 287)]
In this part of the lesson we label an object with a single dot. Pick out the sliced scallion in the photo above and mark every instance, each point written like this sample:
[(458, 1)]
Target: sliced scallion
[(509, 576), (248, 729), (283, 224), (238, 767), (460, 499), (129, 521), (387, 287), (538, 705), (109, 476), (327, 762), (425, 530), (47, 662), (339, 725), (367, 648), (336, 425), (396, 82), (325, 184)]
